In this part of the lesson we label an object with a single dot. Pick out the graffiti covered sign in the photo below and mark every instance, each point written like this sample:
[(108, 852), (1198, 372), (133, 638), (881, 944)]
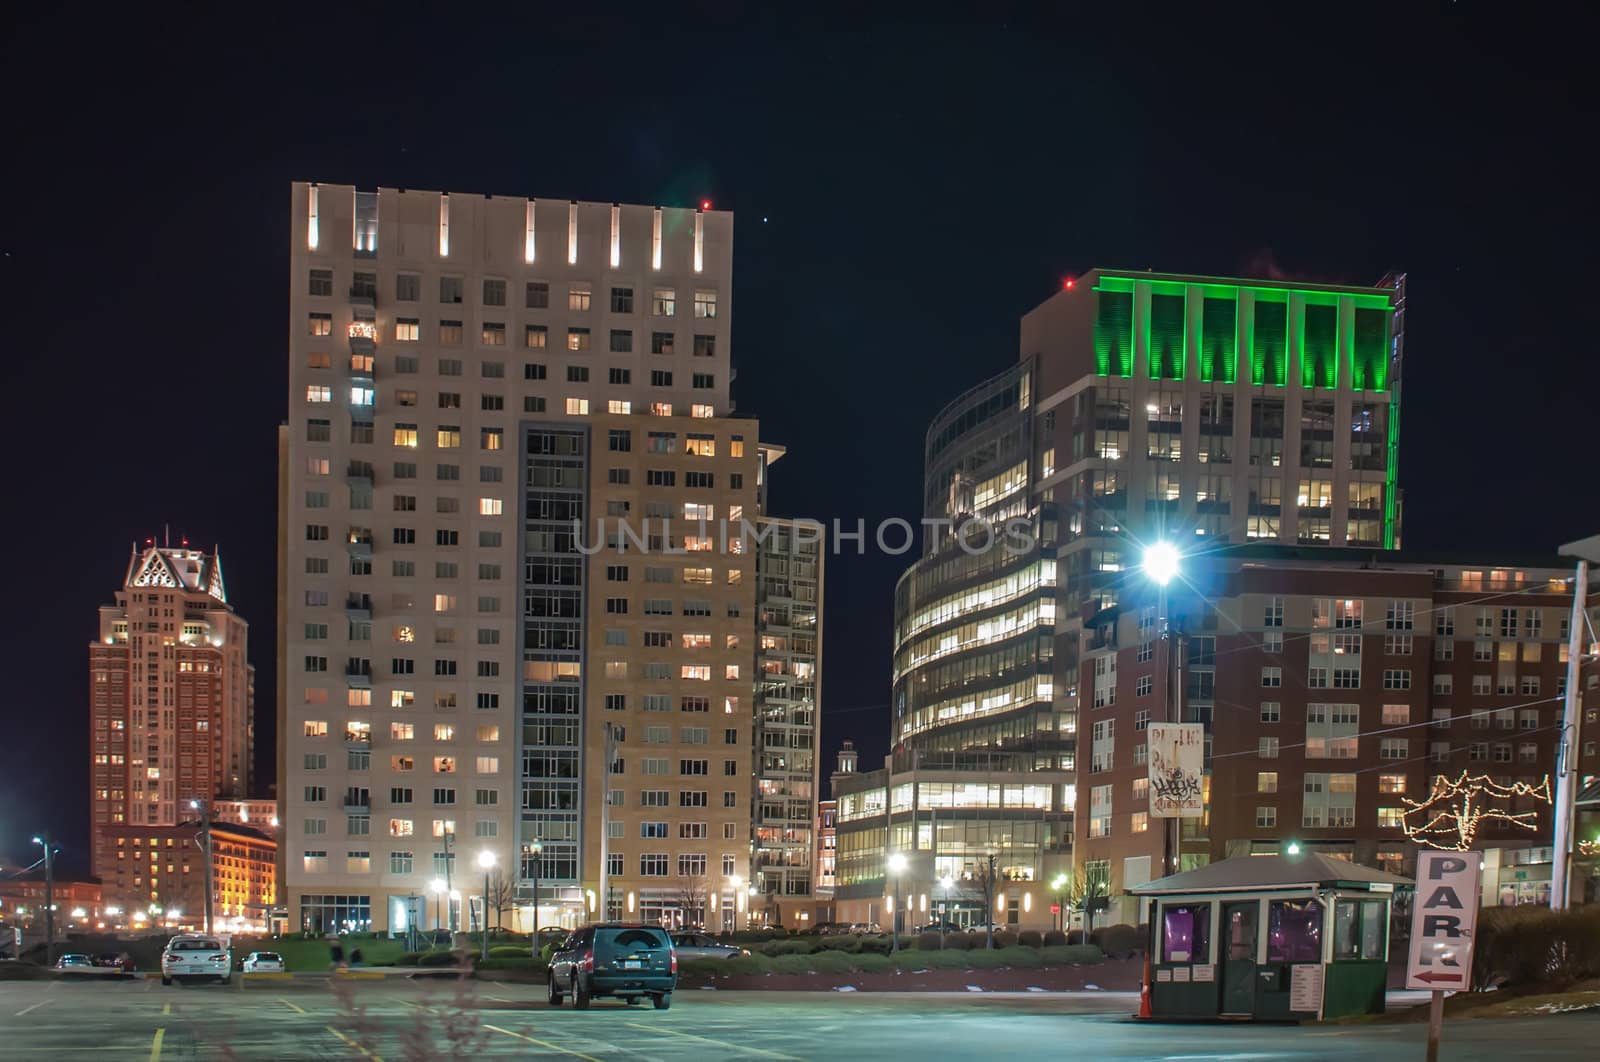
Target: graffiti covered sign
[(1177, 761)]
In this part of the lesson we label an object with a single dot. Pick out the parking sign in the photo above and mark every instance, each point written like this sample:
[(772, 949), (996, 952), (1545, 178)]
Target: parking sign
[(1443, 919)]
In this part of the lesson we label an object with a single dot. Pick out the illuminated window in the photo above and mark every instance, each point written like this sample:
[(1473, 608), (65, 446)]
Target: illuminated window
[(405, 435), (448, 438), (577, 406), (490, 506), (321, 324), (319, 393), (402, 731), (701, 411), (695, 672), (488, 764), (316, 728)]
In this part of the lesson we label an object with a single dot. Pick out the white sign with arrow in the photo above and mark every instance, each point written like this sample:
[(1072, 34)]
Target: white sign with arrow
[(1443, 919)]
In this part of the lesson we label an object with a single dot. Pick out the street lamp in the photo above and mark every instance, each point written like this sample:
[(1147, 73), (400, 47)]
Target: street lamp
[(897, 867), (49, 899), (533, 851), (734, 881), (1160, 565), (1059, 885), (750, 908), (945, 883), (436, 886), (1294, 848), (486, 861)]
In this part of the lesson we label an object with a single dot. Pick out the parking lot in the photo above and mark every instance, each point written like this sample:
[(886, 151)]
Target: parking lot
[(396, 1019)]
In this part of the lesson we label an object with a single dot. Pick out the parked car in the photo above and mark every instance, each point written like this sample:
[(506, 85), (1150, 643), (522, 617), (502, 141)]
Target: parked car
[(196, 955), (863, 927), (263, 962), (117, 963), (624, 961), (76, 963), (701, 946), (939, 927)]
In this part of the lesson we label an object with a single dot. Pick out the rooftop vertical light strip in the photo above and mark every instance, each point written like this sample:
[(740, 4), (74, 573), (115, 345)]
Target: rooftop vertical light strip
[(572, 233), (1165, 337), (1319, 346), (616, 236), (655, 240), (313, 222), (444, 225), (1270, 340), (1219, 339), (699, 240), (527, 240), (1113, 333), (1391, 474), (1369, 350)]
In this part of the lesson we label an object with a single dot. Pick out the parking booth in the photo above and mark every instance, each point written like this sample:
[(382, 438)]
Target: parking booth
[(1271, 938)]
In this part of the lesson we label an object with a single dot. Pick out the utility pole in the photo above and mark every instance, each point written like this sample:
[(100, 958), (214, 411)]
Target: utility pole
[(49, 899), (204, 808), (610, 749), (535, 854), (449, 894), (1567, 766)]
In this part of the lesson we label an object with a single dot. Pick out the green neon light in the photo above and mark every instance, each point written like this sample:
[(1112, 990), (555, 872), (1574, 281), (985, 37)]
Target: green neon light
[(1213, 287), (1369, 351), (1219, 340), (1269, 345), (1113, 334), (1164, 337), (1319, 346), (1391, 474)]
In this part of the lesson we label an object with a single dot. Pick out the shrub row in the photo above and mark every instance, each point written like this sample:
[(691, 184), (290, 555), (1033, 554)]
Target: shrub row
[(1518, 947), (838, 961)]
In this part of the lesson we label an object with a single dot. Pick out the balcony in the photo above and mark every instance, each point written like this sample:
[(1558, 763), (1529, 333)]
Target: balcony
[(359, 544), (358, 739), (363, 337), (358, 607), (357, 802), (359, 474), (358, 674)]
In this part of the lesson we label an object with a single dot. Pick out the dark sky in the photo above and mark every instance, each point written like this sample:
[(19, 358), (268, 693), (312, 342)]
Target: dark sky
[(903, 194)]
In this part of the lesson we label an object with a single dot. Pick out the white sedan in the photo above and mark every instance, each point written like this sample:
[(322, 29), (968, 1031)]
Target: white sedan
[(263, 962)]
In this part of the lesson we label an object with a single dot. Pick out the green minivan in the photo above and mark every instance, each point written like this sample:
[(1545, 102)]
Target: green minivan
[(622, 960)]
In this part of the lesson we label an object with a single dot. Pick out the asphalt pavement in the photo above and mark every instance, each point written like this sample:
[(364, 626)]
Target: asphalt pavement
[(398, 1020)]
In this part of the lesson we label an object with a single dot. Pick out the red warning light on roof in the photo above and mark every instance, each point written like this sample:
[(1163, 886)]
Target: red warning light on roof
[(1067, 283), (705, 204)]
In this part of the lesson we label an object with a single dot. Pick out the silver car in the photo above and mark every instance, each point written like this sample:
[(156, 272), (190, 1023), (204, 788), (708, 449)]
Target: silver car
[(701, 946)]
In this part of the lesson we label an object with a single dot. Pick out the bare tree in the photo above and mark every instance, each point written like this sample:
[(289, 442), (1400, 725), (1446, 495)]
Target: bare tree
[(692, 893), (1087, 894), (502, 898)]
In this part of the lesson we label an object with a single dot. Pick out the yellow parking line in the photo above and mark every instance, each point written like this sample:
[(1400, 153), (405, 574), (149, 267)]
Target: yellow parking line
[(708, 1040), (353, 1044), (155, 1044), (36, 1006), (166, 1008), (296, 1007), (544, 1043)]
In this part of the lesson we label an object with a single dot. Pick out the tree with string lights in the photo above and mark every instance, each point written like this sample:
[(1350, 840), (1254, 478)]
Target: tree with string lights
[(1451, 815)]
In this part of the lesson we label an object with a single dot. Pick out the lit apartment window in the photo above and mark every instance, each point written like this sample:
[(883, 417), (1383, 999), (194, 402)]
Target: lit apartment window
[(490, 506), (705, 304), (488, 764), (448, 437), (489, 439), (321, 324), (407, 330), (664, 302), (701, 412), (319, 393), (578, 339), (661, 409), (405, 435), (577, 407), (578, 298), (493, 334)]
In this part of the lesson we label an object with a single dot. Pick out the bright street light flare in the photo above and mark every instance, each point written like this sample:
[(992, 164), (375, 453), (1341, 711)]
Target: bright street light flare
[(1161, 562)]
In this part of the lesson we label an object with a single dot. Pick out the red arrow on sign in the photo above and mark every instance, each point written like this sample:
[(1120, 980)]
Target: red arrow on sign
[(1431, 977)]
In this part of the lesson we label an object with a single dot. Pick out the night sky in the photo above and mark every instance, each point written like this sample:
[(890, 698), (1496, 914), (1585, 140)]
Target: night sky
[(902, 195)]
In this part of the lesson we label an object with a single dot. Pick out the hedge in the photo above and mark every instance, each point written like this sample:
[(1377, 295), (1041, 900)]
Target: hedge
[(1518, 947), (835, 961)]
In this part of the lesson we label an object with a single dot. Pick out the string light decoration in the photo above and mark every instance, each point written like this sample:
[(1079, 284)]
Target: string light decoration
[(1589, 848), (1451, 815)]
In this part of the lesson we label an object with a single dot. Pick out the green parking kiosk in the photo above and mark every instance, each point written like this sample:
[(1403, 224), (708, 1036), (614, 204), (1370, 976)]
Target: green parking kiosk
[(1274, 938)]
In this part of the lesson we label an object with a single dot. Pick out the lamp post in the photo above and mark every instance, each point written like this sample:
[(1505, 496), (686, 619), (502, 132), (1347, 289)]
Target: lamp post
[(49, 899), (897, 867), (204, 808), (1584, 551), (734, 882), (534, 851), (436, 886), (750, 908), (990, 853), (1058, 885), (486, 862), (1160, 565), (945, 883)]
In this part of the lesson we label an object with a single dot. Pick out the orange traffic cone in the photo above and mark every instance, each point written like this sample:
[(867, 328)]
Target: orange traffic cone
[(1144, 993)]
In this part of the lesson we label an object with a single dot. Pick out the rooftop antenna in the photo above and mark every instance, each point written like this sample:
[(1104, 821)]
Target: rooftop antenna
[(166, 536)]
